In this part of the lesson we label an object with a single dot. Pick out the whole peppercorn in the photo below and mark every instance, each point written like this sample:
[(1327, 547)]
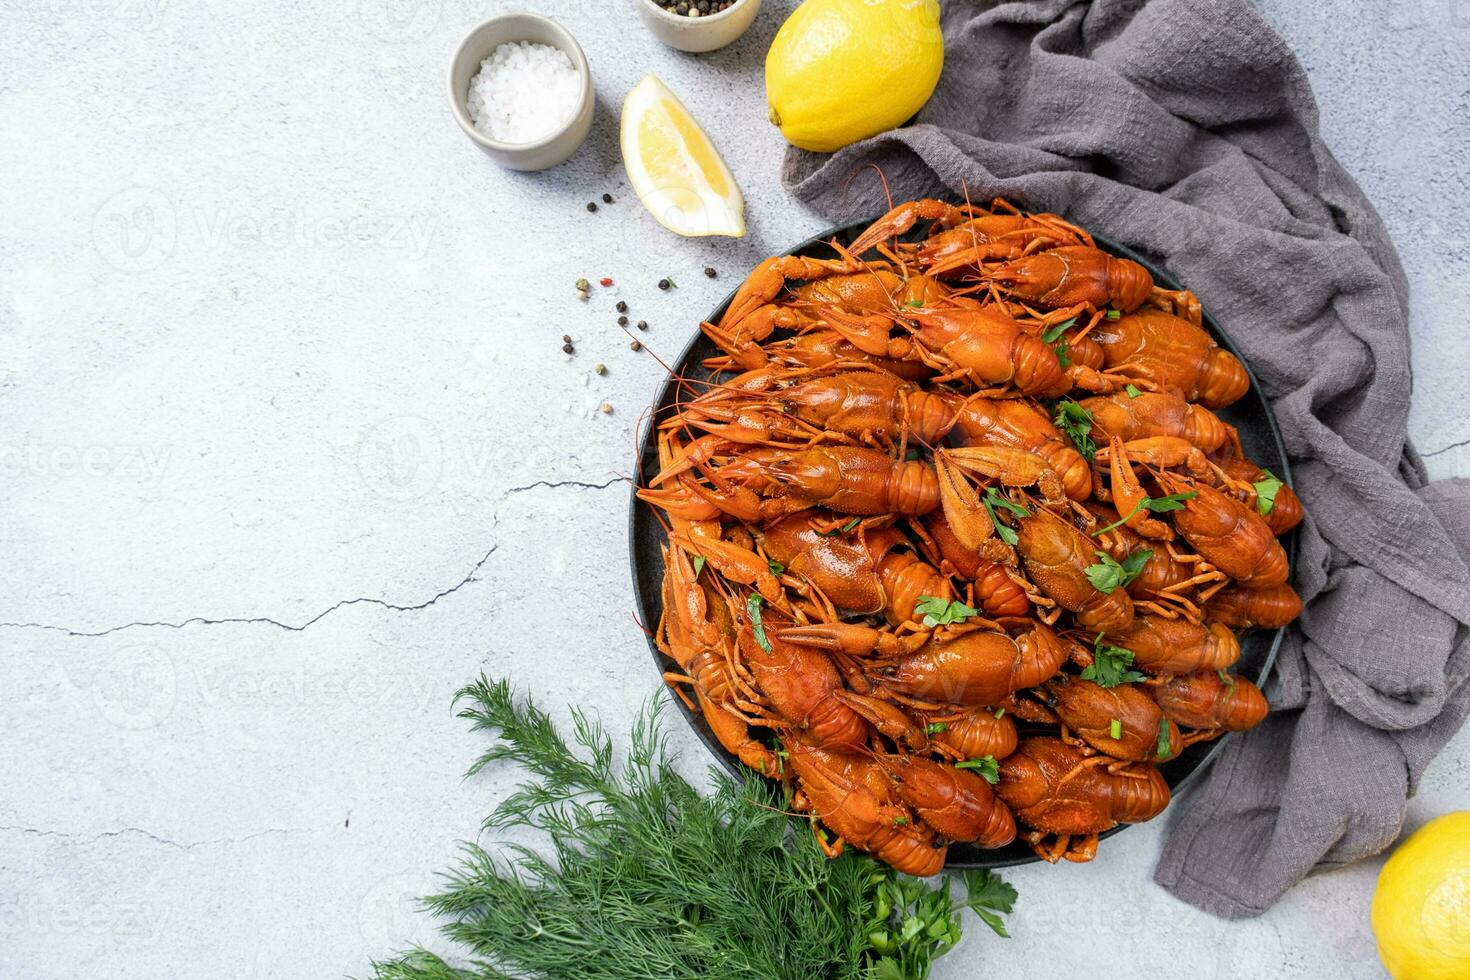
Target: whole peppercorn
[(642, 324), (709, 270), (567, 348), (622, 321), (601, 369), (607, 199), (622, 307), (566, 338), (664, 284), (591, 206), (635, 345)]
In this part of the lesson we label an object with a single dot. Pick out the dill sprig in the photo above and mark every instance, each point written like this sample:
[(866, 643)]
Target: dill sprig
[(645, 877)]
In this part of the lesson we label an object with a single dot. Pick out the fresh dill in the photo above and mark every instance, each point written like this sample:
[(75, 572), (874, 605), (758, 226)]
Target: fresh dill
[(646, 877)]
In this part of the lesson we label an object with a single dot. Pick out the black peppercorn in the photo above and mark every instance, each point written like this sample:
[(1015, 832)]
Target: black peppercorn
[(607, 199), (591, 206), (622, 307), (622, 321), (664, 284), (709, 270), (642, 324), (567, 348)]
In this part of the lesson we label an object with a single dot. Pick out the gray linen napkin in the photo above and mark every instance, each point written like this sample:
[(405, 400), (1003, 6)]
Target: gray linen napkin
[(1187, 130)]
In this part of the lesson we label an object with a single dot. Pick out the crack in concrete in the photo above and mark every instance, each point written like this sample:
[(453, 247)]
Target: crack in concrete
[(183, 846), (1453, 445), (565, 483), (266, 620), (360, 600)]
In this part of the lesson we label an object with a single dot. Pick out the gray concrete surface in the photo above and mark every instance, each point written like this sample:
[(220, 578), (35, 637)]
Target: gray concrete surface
[(290, 452)]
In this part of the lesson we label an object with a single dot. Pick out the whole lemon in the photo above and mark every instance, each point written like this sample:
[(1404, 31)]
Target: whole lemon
[(1421, 910), (842, 70)]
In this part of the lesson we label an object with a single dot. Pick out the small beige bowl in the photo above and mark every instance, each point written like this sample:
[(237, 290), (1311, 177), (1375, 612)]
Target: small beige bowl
[(698, 33), (477, 46)]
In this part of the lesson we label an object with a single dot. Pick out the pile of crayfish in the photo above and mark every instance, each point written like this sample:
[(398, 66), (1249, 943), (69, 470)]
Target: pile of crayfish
[(958, 548)]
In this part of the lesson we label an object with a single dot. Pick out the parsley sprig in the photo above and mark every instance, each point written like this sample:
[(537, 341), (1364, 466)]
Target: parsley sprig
[(1156, 505), (1052, 333), (942, 612), (1076, 423), (753, 610), (1266, 489), (1165, 744), (1108, 574), (1110, 665), (992, 500), (986, 767)]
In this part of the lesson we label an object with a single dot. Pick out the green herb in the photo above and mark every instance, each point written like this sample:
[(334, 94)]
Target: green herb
[(775, 566), (1157, 505), (900, 821), (643, 876), (1228, 678), (1110, 664), (986, 767), (935, 727), (1114, 314), (1133, 391), (913, 302), (1108, 574), (1166, 744), (1115, 729), (698, 565), (843, 529), (1051, 333), (992, 500), (1000, 713), (1060, 350), (1076, 422), (753, 609), (942, 612), (1266, 489)]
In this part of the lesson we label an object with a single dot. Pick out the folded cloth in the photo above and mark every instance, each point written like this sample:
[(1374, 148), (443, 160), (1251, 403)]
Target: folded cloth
[(1187, 130)]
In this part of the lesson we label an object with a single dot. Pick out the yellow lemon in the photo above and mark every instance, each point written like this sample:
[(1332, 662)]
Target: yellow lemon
[(842, 70), (674, 168), (1421, 910)]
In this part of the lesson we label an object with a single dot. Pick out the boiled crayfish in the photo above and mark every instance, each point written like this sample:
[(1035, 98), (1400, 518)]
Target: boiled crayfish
[(910, 577)]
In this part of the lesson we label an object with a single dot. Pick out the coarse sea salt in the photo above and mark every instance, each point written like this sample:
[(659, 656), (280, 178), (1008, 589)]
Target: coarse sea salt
[(524, 92)]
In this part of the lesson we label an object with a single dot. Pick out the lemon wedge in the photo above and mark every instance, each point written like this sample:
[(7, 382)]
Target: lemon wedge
[(674, 168)]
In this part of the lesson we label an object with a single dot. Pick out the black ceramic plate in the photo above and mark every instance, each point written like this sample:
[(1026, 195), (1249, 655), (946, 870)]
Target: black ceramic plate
[(1251, 415)]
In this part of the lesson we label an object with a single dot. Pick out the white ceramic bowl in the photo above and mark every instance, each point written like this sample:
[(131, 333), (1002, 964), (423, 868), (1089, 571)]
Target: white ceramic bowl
[(698, 33), (477, 46)]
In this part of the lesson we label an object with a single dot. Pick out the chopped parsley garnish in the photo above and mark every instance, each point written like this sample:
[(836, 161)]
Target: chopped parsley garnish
[(1156, 505), (1166, 744), (986, 767), (1266, 489), (942, 612), (1108, 574), (1110, 664), (992, 500), (1076, 422), (753, 609), (1053, 332)]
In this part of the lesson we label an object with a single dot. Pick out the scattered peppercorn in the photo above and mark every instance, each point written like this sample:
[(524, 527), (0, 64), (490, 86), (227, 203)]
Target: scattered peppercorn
[(642, 324), (622, 307), (601, 369), (664, 284), (583, 285), (606, 280), (566, 338), (606, 409), (607, 199), (591, 206), (567, 348), (709, 270), (622, 321), (636, 346)]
